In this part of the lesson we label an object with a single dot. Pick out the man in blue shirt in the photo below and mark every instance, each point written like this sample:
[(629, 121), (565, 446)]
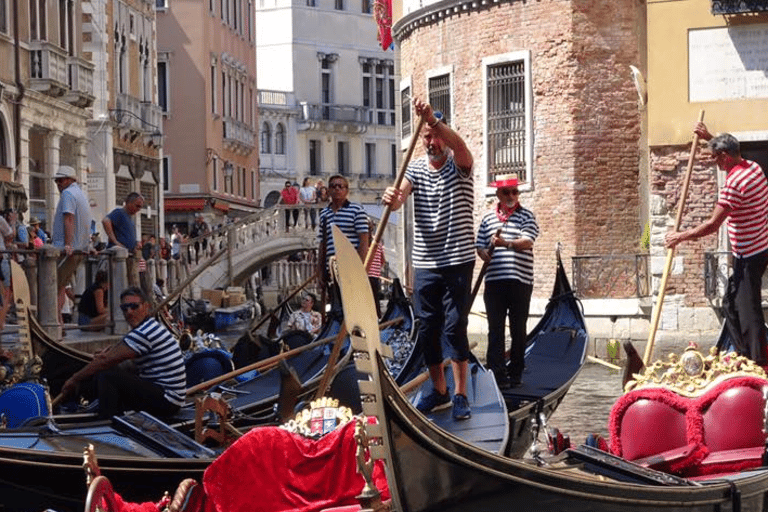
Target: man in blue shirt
[(118, 224)]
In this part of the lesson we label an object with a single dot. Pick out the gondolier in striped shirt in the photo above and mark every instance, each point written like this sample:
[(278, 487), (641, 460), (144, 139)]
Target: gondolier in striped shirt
[(443, 253), (352, 221), (743, 204), (159, 385), (510, 230)]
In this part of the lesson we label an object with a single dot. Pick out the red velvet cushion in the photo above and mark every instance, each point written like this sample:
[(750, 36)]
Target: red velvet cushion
[(743, 404), (649, 427)]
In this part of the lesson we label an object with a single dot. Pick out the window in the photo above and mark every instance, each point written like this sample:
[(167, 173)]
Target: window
[(370, 159), (214, 89), (439, 93), (326, 84), (393, 157), (250, 18), (37, 20), (507, 122), (121, 48), (405, 112), (266, 138), (342, 157), (163, 85), (212, 7), (366, 7), (224, 95), (146, 83), (4, 16), (339, 5), (3, 142), (314, 157), (166, 173), (215, 173), (161, 5), (379, 90), (280, 139), (66, 27), (310, 3)]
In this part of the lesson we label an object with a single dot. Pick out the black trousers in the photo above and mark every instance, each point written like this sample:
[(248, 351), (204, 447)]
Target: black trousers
[(120, 391), (507, 299), (742, 307)]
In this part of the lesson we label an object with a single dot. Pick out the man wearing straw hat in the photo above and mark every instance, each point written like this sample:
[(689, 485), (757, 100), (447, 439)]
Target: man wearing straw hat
[(443, 253), (505, 242), (743, 204)]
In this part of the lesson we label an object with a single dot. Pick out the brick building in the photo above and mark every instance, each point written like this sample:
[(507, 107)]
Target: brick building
[(543, 89)]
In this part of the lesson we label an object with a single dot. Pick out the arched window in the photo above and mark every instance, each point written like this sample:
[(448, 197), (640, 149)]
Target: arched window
[(3, 144), (266, 138), (280, 139)]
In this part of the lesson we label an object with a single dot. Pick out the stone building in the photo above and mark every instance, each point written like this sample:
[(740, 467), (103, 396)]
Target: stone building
[(543, 89)]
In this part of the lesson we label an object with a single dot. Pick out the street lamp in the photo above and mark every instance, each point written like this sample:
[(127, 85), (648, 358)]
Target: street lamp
[(153, 137)]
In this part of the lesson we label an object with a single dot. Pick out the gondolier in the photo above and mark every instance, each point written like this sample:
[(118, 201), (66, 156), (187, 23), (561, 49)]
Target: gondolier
[(743, 205), (510, 229), (443, 252), (159, 386)]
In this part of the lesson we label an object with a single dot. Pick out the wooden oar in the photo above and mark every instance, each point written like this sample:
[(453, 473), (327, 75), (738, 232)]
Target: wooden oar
[(481, 275), (179, 289), (671, 252), (266, 317), (369, 258), (274, 360)]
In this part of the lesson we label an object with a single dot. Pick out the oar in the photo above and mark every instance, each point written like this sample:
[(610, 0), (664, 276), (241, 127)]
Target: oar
[(283, 303), (179, 289), (671, 251), (369, 257), (481, 275), (274, 360)]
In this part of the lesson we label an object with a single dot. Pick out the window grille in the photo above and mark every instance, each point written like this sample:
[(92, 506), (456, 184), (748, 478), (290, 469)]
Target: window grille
[(440, 95), (506, 120), (405, 112)]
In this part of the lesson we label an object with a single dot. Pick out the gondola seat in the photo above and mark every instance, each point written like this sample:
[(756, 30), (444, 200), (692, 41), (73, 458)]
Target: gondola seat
[(713, 430)]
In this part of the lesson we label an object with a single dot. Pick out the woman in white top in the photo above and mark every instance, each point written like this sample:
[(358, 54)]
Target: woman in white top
[(307, 196)]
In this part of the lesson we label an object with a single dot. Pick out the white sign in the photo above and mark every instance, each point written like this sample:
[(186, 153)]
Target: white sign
[(728, 63), (189, 188), (96, 182)]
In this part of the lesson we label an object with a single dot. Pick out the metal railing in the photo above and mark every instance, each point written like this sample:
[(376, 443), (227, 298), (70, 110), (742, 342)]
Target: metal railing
[(611, 276)]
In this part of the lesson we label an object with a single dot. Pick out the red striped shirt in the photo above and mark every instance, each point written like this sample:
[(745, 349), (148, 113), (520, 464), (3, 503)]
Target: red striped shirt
[(376, 262), (745, 196)]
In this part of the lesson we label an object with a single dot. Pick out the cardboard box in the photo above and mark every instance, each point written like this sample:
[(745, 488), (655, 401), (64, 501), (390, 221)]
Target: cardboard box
[(234, 299), (215, 297)]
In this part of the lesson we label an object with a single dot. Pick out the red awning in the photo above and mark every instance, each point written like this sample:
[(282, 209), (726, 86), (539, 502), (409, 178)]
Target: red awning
[(175, 204)]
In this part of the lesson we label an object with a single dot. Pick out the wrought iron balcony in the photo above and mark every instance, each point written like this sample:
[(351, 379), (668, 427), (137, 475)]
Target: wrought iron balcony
[(332, 117), (621, 276), (738, 6)]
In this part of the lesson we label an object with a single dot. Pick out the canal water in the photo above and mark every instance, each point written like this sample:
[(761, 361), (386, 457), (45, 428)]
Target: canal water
[(586, 407)]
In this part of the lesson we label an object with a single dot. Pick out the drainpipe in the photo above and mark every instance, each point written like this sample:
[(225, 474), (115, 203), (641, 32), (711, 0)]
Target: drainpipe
[(19, 88)]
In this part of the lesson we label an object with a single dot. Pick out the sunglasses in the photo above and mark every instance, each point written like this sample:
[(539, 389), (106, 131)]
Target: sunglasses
[(337, 185), (129, 306), (510, 191)]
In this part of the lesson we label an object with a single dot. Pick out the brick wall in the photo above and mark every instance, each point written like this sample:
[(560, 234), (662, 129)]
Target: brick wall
[(586, 119), (668, 168)]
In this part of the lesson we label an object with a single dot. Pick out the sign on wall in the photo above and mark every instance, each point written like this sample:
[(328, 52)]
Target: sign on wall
[(728, 63)]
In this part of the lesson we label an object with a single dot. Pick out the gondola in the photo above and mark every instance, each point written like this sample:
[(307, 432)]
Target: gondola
[(42, 462), (430, 469), (555, 354)]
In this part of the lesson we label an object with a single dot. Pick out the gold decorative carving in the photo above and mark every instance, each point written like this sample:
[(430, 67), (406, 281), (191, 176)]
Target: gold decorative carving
[(322, 416), (692, 373)]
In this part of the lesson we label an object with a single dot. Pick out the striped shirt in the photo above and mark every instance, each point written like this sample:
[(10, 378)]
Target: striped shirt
[(159, 359), (443, 201), (377, 262), (507, 263), (745, 196), (351, 220)]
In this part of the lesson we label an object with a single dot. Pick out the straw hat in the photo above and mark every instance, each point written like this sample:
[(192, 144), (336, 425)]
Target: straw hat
[(506, 180)]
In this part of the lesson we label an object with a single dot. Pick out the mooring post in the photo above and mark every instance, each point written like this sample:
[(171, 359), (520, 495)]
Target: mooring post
[(119, 274), (48, 293)]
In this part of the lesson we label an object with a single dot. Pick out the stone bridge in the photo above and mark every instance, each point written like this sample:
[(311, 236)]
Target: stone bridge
[(250, 244)]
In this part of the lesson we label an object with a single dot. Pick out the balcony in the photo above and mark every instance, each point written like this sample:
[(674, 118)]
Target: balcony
[(80, 80), (621, 276), (335, 118), (238, 136), (739, 6), (134, 117), (48, 70)]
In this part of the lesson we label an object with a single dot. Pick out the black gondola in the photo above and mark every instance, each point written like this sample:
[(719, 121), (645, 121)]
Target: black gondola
[(430, 469)]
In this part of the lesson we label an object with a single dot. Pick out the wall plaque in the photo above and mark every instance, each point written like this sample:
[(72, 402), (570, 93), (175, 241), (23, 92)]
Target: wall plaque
[(728, 63)]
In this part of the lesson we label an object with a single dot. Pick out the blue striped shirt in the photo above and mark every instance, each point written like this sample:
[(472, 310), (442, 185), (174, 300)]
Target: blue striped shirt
[(443, 201), (159, 358), (351, 220), (507, 263)]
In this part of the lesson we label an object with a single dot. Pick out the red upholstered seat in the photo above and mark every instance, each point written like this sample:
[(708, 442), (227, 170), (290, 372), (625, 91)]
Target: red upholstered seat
[(649, 427), (717, 432)]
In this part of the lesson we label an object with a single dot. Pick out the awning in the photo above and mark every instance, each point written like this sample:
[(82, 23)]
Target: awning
[(175, 204)]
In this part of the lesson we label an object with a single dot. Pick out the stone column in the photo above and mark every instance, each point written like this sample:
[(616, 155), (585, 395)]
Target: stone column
[(48, 293), (52, 160), (119, 283)]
